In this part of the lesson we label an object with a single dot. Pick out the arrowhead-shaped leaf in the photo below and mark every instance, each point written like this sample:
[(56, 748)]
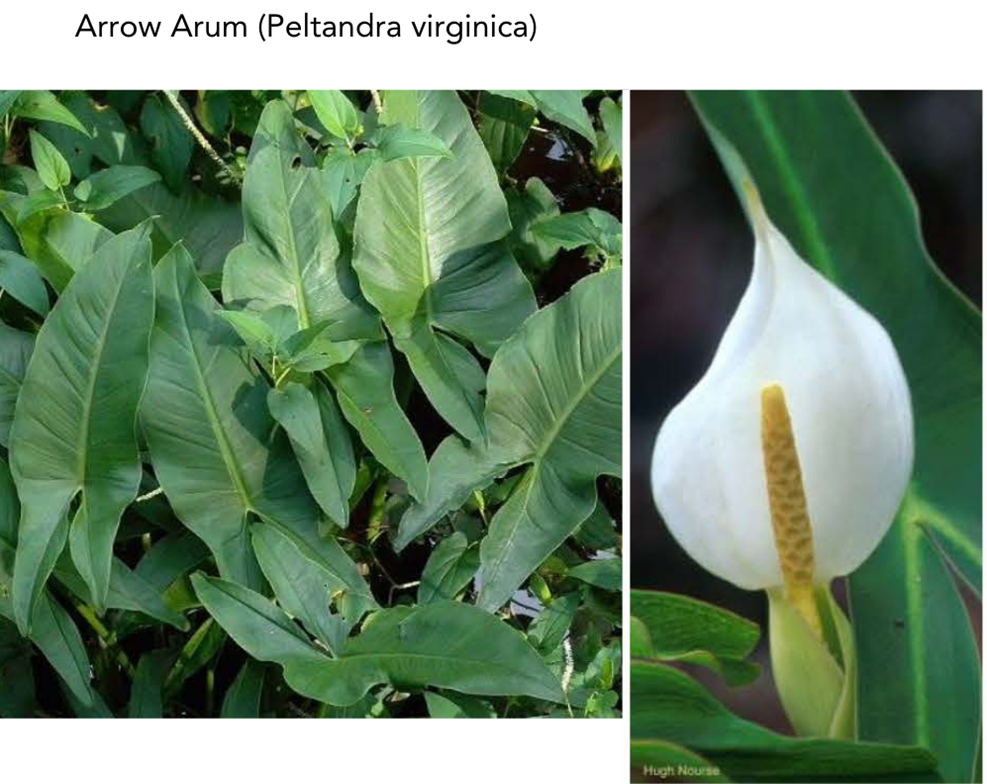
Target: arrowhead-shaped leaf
[(446, 644), (365, 390), (311, 577), (290, 254), (212, 440), (74, 427), (430, 255), (312, 421), (554, 398), (553, 401)]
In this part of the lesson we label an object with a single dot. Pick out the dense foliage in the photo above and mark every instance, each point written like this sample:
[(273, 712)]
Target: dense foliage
[(234, 327)]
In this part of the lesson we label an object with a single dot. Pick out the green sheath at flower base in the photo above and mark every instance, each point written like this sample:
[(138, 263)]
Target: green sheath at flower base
[(784, 466), (816, 677)]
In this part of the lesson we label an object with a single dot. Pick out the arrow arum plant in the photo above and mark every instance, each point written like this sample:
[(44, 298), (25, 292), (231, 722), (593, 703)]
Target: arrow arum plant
[(834, 436), (235, 326)]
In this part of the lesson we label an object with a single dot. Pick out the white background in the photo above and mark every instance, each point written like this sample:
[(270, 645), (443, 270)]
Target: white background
[(604, 44)]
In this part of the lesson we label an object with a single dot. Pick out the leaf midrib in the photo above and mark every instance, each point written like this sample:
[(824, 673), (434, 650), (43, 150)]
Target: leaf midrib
[(796, 193), (304, 319), (424, 251), (209, 406), (576, 401), (539, 457), (405, 655), (82, 458), (292, 629)]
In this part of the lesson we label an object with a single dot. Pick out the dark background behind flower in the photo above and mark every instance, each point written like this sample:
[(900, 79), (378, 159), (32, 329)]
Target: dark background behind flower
[(692, 255)]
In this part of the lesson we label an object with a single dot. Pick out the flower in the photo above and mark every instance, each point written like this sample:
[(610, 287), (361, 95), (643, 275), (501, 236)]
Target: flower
[(785, 464)]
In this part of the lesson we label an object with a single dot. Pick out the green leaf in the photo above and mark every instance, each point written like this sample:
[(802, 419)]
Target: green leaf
[(39, 202), (127, 591), (449, 569), (429, 256), (455, 471), (21, 279), (524, 96), (566, 108), (669, 706), (43, 105), (170, 558), (337, 113), (552, 624), (446, 645), (52, 168), (669, 627), (312, 349), (106, 138), (528, 208), (108, 186), (146, 691), (554, 399), (171, 142), (365, 391), (57, 637), (590, 227), (330, 477), (457, 706), (449, 374), (53, 631), (310, 576), (343, 172), (834, 192), (611, 114), (199, 650), (206, 406), (208, 226), (290, 255), (242, 700), (562, 106), (10, 506), (257, 330), (504, 125), (394, 142), (57, 241), (15, 352), (74, 429), (7, 99), (606, 573), (259, 627), (213, 109), (597, 531)]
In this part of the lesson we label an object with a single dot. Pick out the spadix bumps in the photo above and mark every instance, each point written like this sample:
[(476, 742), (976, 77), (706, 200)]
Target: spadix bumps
[(835, 370)]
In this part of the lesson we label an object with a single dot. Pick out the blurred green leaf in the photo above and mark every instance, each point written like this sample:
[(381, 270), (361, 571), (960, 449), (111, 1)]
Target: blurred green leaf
[(21, 279), (670, 627), (669, 706)]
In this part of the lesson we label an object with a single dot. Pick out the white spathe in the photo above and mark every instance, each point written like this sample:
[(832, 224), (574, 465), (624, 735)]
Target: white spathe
[(851, 415)]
